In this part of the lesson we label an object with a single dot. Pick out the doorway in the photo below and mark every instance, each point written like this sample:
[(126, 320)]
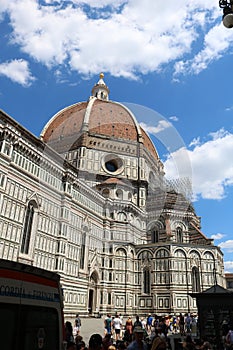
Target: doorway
[(92, 294), (90, 301)]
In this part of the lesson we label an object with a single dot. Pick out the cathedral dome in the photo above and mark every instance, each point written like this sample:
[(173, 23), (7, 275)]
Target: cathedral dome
[(73, 126)]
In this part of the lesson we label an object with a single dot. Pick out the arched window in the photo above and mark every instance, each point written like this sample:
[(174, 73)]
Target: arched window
[(121, 265), (122, 216), (109, 298), (83, 249), (162, 274), (154, 236), (179, 235), (145, 255), (146, 281), (145, 273), (119, 194), (195, 280), (27, 228)]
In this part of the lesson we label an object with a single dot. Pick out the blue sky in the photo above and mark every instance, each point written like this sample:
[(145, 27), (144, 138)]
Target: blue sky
[(174, 58)]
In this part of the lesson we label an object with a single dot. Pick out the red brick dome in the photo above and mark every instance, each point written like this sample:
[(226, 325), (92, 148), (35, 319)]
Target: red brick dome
[(71, 127)]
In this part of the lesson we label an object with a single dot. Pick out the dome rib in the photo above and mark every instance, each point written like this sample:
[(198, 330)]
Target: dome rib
[(87, 113)]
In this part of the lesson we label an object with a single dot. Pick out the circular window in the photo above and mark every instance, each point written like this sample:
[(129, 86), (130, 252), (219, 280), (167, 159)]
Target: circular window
[(113, 164), (105, 192)]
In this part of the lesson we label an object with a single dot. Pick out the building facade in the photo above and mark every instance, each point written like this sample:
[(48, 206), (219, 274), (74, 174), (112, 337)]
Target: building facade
[(229, 281), (89, 200)]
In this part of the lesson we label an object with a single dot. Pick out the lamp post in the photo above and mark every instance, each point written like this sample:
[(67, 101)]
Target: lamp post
[(227, 18)]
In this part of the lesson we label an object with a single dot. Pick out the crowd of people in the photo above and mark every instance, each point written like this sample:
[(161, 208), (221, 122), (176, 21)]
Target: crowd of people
[(140, 333)]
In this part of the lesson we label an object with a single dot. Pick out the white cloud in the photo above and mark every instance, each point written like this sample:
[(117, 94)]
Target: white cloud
[(93, 3), (124, 38), (154, 130), (195, 142), (101, 3), (174, 118), (17, 71), (229, 109), (212, 165), (228, 266), (217, 236), (228, 245), (216, 43), (219, 134)]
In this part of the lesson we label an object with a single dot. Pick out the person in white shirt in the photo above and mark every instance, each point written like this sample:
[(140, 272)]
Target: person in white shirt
[(117, 323)]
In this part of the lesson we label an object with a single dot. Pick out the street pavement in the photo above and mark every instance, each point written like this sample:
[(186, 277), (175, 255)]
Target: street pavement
[(91, 325)]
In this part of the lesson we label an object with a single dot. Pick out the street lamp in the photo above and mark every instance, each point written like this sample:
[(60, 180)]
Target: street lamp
[(227, 18)]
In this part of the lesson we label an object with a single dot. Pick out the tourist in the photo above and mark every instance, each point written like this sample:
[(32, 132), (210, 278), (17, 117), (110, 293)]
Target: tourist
[(128, 329), (194, 325), (111, 347), (77, 325), (174, 324), (138, 343), (187, 322), (117, 324), (164, 326), (108, 324), (158, 341), (121, 346), (137, 323), (181, 323), (80, 344), (69, 338), (158, 344), (143, 321), (149, 322), (107, 341), (95, 342)]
